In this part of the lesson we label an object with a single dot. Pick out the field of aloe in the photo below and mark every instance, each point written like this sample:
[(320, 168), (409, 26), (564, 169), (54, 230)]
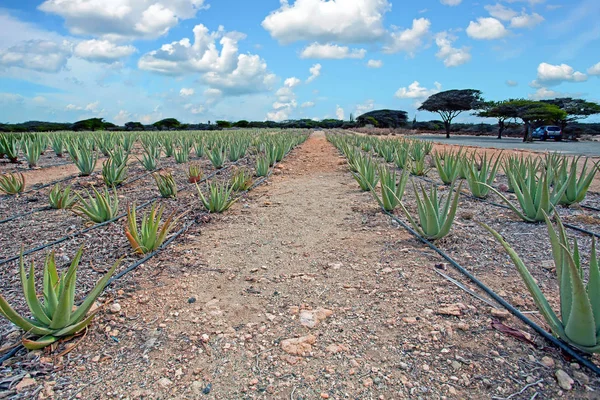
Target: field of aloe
[(481, 211), (131, 196)]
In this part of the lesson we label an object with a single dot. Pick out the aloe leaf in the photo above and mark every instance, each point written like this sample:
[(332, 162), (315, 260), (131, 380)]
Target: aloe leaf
[(27, 325), (593, 286), (30, 295), (39, 343)]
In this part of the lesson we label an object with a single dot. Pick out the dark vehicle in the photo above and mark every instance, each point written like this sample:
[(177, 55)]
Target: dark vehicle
[(547, 131)]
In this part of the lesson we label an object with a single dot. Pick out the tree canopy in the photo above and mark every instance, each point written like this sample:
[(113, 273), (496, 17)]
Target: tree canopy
[(383, 118), (450, 103), (167, 123), (575, 109)]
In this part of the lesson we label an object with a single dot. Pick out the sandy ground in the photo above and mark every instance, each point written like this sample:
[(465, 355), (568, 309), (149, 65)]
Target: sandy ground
[(309, 258)]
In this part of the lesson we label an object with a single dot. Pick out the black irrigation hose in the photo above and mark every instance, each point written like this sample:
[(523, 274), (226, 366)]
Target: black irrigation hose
[(36, 188), (590, 208), (17, 216), (563, 346)]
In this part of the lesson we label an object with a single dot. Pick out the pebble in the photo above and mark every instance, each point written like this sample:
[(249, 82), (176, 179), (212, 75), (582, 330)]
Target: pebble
[(500, 314), (564, 380), (115, 308), (165, 382), (547, 362), (324, 396)]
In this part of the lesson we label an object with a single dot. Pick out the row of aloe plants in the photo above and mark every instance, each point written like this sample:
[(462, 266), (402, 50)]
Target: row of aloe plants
[(539, 187), (54, 314)]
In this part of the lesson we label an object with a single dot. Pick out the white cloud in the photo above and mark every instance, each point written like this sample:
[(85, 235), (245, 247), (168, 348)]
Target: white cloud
[(486, 29), (367, 106), (548, 75), (501, 12), (331, 51), (511, 83), (37, 55), (409, 40), (339, 112), (374, 63), (416, 91), (544, 93), (93, 107), (594, 70), (452, 56), (102, 51), (73, 107), (346, 21), (292, 82), (226, 70), (308, 104), (194, 109), (526, 20), (451, 3), (122, 19), (122, 117), (185, 92), (315, 71)]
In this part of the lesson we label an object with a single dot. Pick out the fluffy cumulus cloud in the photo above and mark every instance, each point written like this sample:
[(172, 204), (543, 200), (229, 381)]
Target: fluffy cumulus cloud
[(226, 70), (548, 75), (339, 112), (346, 21), (486, 29), (511, 83), (367, 106), (409, 40), (451, 3), (37, 55), (186, 92), (374, 63), (331, 51), (544, 93), (452, 56), (417, 92), (500, 11), (315, 71), (308, 104), (285, 102), (519, 21), (102, 51), (594, 70), (122, 19)]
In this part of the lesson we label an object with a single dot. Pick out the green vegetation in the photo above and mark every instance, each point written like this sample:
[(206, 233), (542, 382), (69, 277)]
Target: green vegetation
[(60, 198), (150, 235), (12, 183), (166, 185), (218, 198), (101, 208)]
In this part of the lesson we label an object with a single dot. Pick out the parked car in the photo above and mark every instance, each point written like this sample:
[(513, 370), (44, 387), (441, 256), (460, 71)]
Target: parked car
[(547, 131)]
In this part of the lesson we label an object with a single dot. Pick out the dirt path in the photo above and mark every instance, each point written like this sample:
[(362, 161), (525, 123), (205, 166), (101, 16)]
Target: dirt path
[(210, 318)]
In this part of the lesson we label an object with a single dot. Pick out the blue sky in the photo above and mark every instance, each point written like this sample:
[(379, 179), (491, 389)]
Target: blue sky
[(201, 60)]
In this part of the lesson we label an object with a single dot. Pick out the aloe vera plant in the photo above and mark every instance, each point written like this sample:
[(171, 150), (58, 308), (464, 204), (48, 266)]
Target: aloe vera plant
[(101, 208), (366, 173), (9, 146), (216, 156), (262, 165), (32, 148), (391, 190), (182, 155), (401, 156), (85, 158), (166, 185), (58, 144), (579, 322), (577, 183), (218, 198), (435, 218), (480, 180), (514, 164), (194, 173), (113, 173), (241, 180), (12, 183), (56, 316), (60, 198), (150, 235), (535, 196), (448, 165)]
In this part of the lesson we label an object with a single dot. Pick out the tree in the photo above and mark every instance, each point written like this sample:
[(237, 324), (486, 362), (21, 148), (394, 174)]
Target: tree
[(167, 123), (529, 112), (92, 124), (576, 109), (224, 124), (241, 124), (383, 118), (134, 126), (351, 117), (451, 103), (496, 109)]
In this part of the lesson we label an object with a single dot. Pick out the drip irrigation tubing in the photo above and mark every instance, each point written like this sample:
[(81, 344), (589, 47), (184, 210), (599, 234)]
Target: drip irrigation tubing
[(590, 208), (36, 188), (17, 216), (135, 265), (81, 232)]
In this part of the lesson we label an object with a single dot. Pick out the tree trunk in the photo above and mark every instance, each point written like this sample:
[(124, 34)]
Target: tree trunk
[(527, 134), (447, 126), (501, 128)]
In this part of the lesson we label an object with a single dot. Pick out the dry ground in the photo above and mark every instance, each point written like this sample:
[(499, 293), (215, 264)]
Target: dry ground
[(210, 317)]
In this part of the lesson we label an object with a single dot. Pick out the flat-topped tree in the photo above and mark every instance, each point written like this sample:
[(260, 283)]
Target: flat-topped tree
[(451, 103), (576, 109), (496, 109)]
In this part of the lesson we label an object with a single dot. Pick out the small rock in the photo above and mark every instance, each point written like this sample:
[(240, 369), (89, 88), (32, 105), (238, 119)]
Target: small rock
[(115, 308), (24, 384), (299, 346), (205, 338), (311, 318), (581, 377), (502, 187), (456, 365), (564, 380), (336, 348), (191, 300), (324, 396), (368, 382), (452, 309), (165, 382), (409, 320), (500, 314), (547, 362)]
